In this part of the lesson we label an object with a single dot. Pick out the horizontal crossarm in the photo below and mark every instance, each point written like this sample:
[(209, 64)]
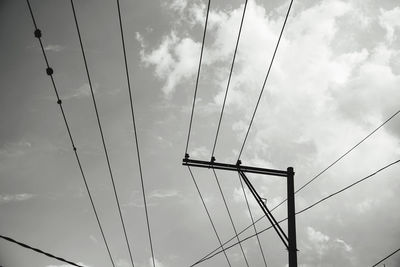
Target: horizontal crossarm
[(232, 167)]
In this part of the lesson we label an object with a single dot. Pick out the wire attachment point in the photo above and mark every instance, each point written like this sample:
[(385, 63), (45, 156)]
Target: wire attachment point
[(38, 33), (49, 71)]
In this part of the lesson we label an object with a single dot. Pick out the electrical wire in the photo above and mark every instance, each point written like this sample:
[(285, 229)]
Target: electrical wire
[(229, 79), (208, 214), (197, 79), (266, 78), (39, 251), (299, 212), (230, 217), (388, 256), (101, 131), (135, 132), (316, 176), (252, 221), (49, 70)]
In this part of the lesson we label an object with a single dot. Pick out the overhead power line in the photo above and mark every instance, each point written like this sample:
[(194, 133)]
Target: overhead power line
[(266, 78), (49, 71), (208, 214), (135, 133), (197, 79), (230, 217), (101, 131), (39, 251), (229, 78), (299, 212), (387, 257), (316, 176)]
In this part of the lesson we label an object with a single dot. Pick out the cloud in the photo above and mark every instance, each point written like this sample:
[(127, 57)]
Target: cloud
[(94, 239), (157, 262), (54, 48), (163, 193), (346, 246), (316, 236), (174, 60), (122, 263), (80, 92), (200, 152), (15, 149), (7, 198), (390, 21)]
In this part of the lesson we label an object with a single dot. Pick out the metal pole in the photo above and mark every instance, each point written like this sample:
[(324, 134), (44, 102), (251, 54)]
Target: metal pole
[(291, 218)]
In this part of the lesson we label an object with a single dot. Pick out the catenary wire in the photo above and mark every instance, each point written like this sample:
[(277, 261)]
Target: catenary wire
[(197, 78), (208, 213), (299, 212), (387, 257), (101, 130), (266, 78), (252, 221), (230, 216), (38, 35), (316, 176), (39, 251), (135, 132), (229, 78)]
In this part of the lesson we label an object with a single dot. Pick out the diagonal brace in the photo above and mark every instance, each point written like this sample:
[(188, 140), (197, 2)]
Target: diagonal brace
[(282, 235)]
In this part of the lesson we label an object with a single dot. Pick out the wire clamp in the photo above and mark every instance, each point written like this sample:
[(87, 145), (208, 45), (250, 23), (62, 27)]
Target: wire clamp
[(38, 33), (49, 71)]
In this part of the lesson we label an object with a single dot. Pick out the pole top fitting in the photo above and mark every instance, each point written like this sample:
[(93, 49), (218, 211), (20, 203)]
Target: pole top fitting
[(238, 162), (290, 170), (212, 159), (186, 155)]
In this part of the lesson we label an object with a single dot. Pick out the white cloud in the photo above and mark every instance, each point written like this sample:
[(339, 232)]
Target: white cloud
[(178, 5), (80, 92), (6, 198), (94, 239), (346, 246), (122, 263), (163, 193), (200, 152), (316, 236), (366, 205), (54, 48), (174, 60), (15, 149), (390, 21), (157, 262)]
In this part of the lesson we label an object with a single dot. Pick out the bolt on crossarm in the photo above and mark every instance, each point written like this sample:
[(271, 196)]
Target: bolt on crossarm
[(289, 240)]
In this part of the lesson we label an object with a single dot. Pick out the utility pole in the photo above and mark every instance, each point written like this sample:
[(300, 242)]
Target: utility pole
[(288, 240)]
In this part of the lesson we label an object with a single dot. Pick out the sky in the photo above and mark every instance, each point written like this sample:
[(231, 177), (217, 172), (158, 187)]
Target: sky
[(335, 78)]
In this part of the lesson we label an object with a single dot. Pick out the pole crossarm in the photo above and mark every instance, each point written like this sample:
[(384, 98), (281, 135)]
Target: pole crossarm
[(231, 167)]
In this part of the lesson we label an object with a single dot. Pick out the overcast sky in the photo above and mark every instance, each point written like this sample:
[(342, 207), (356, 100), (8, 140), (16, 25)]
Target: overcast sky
[(336, 77)]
